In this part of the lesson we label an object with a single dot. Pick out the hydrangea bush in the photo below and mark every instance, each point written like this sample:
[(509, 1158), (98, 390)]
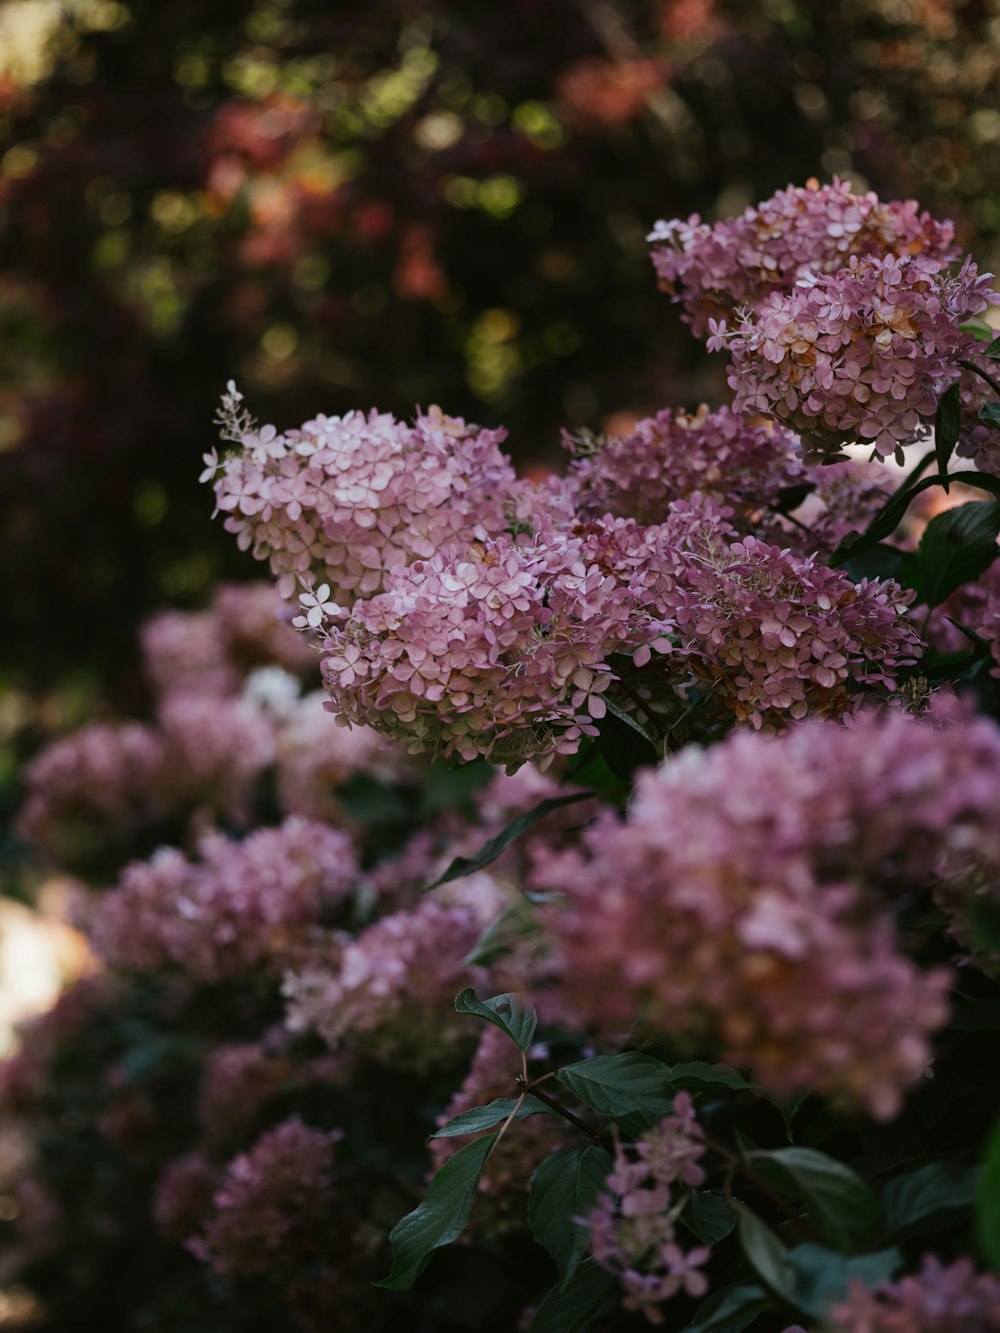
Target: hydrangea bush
[(621, 917)]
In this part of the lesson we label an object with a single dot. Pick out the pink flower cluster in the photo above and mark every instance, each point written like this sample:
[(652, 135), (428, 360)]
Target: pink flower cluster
[(860, 354), (497, 649), (674, 455), (390, 991), (633, 1230), (506, 1179), (244, 906), (345, 500), (774, 636), (941, 1298), (980, 440), (209, 652), (747, 900), (272, 1210), (800, 231)]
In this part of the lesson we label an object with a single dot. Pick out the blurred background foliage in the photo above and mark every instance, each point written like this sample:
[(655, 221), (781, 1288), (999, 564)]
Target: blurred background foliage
[(391, 202)]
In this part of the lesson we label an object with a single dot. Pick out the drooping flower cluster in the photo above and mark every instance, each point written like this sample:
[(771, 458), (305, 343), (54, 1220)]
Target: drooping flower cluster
[(272, 1210), (941, 1298), (344, 500), (390, 990), (774, 636), (498, 649), (862, 354), (243, 906), (633, 1230), (799, 231), (506, 1179), (673, 455), (747, 900)]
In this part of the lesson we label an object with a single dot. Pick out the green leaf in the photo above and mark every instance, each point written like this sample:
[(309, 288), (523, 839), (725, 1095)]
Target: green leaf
[(478, 1118), (840, 1205), (877, 562), (488, 853), (699, 1076), (709, 1216), (564, 1187), (916, 1203), (979, 330), (567, 1309), (993, 351), (947, 427), (730, 1309), (624, 743), (988, 1203), (440, 1218), (956, 547), (984, 922), (765, 1253), (790, 497), (632, 1088), (505, 1012), (513, 924), (890, 515), (990, 413), (822, 1276)]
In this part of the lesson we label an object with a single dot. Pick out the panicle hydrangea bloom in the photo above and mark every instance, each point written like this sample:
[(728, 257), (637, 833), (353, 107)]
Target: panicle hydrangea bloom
[(746, 899), (314, 757), (676, 454), (390, 991), (714, 270), (208, 652), (633, 1229), (941, 1298), (214, 750), (344, 500), (272, 1210), (238, 1080), (103, 775), (775, 636), (245, 906), (497, 650), (182, 1199), (506, 1179), (861, 354)]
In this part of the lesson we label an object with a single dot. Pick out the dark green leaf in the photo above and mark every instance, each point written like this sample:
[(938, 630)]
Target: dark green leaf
[(564, 1187), (465, 865), (500, 936), (485, 1117), (984, 921), (993, 351), (947, 427), (917, 1202), (956, 547), (730, 1309), (878, 562), (979, 330), (440, 1218), (446, 786), (624, 744), (369, 801), (709, 1216), (840, 1205), (622, 1086), (506, 1012), (698, 1076), (765, 1253), (890, 515), (823, 1276), (988, 1203), (567, 1310), (990, 413)]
